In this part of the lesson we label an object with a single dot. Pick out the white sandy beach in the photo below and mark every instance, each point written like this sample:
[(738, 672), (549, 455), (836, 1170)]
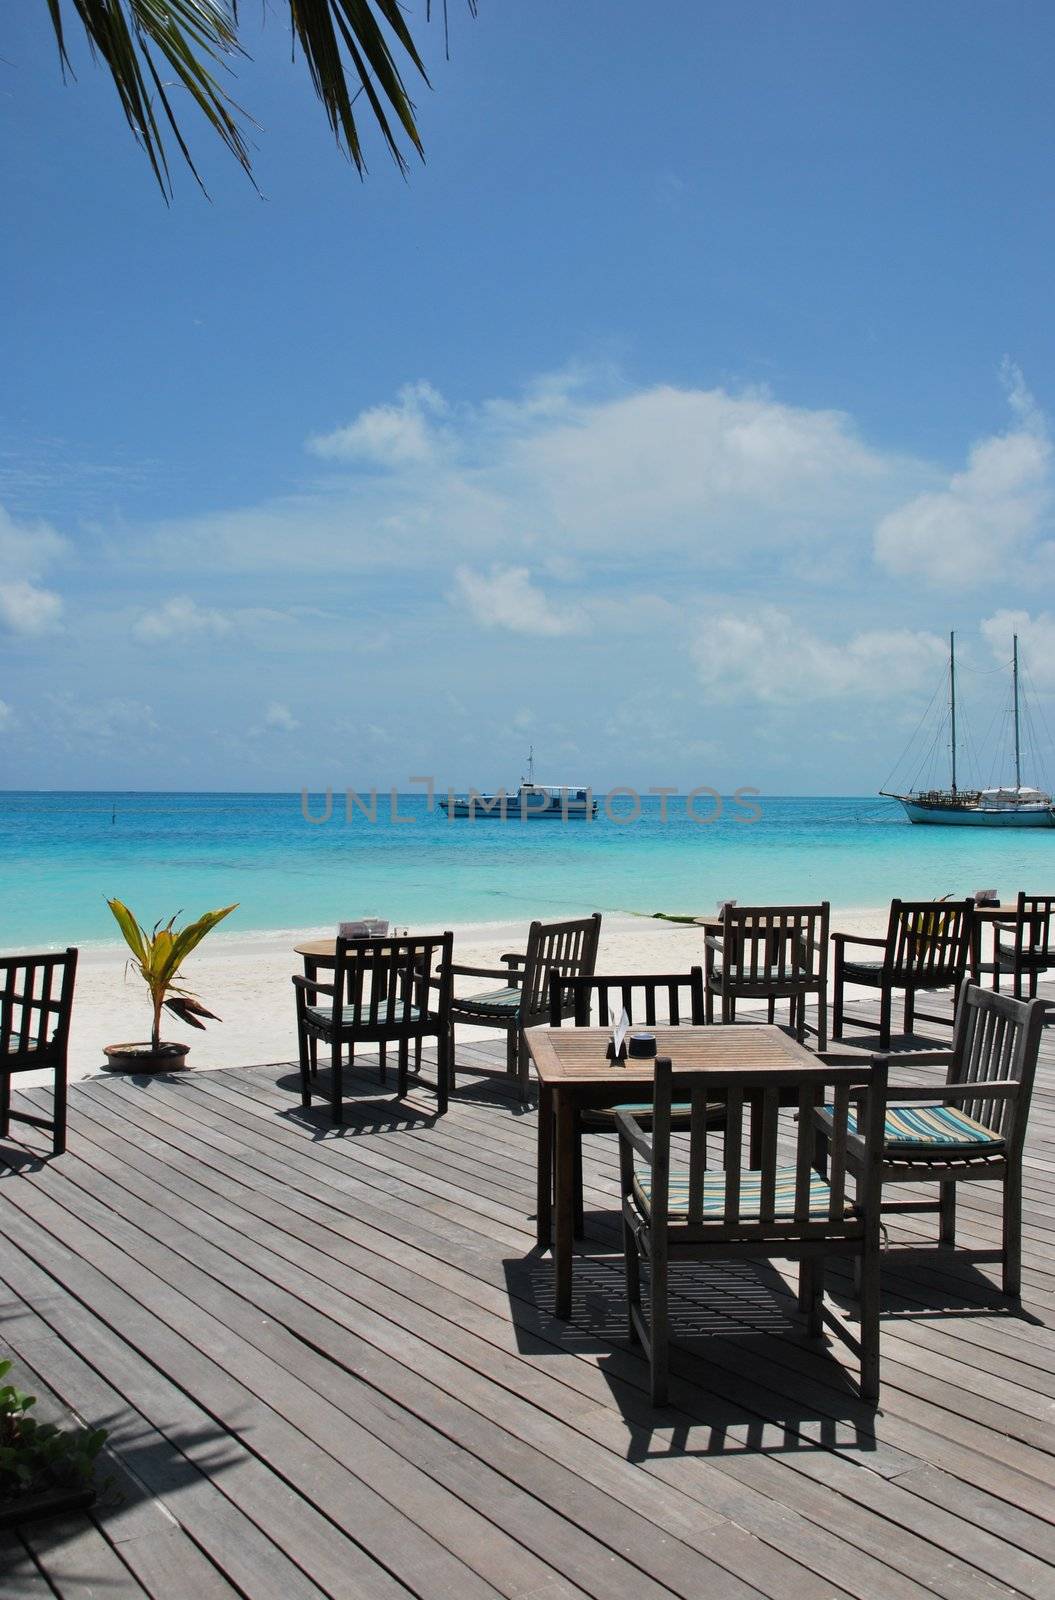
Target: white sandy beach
[(247, 983)]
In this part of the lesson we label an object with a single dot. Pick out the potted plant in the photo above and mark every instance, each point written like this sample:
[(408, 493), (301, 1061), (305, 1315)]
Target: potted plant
[(157, 956), (44, 1469)]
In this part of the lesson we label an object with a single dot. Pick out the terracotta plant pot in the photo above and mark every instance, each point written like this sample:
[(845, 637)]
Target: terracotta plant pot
[(144, 1058)]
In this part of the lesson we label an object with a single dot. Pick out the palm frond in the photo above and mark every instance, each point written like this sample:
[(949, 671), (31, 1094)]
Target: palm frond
[(350, 47)]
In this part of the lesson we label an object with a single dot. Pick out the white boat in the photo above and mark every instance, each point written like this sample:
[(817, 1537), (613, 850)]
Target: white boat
[(528, 802), (1017, 805)]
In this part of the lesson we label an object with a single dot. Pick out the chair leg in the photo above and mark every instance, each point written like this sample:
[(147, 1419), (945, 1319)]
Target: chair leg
[(443, 1068), (811, 1292), (580, 1221), (885, 1002), (382, 1063), (1012, 1230), (947, 1214), (450, 1059), (336, 1103), (869, 1272), (313, 1054), (837, 1000), (308, 1068), (822, 1016), (708, 1005), (772, 1010), (659, 1332), (58, 1143), (910, 1010), (522, 1069), (5, 1104), (633, 1281)]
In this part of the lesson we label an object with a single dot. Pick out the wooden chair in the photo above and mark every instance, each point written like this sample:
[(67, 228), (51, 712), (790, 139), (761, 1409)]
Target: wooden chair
[(770, 953), (670, 998), (382, 992), (927, 946), (36, 1002), (973, 1128), (680, 1211), (568, 949), (1023, 945)]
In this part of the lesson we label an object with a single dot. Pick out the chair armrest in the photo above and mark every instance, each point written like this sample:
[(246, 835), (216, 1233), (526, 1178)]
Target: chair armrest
[(631, 1132), (997, 1089), (857, 938), (311, 986), (460, 971), (514, 958)]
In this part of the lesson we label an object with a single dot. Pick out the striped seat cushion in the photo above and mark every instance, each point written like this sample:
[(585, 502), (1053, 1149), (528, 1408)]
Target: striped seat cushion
[(497, 1002), (917, 1129), (356, 1016), (643, 1110), (750, 1194)]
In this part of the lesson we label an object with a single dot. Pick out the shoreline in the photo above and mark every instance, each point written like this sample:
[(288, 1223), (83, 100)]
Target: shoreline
[(246, 980)]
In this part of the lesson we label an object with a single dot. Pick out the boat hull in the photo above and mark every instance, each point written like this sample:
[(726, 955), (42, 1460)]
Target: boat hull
[(479, 811), (949, 816)]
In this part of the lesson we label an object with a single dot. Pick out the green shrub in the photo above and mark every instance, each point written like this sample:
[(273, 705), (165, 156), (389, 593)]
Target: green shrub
[(37, 1456)]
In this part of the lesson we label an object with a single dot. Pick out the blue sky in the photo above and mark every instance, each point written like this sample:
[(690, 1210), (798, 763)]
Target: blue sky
[(667, 417)]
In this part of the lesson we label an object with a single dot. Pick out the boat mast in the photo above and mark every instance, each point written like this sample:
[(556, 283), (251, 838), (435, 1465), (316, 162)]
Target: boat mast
[(952, 704), (531, 766), (1014, 680)]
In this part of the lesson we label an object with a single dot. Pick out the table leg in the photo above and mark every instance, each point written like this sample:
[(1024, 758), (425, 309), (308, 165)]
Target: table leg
[(544, 1198), (564, 1206)]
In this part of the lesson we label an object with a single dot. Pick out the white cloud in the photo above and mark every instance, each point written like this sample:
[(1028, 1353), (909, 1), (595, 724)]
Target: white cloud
[(397, 435), (764, 654), (109, 719), (575, 469), (7, 716), (280, 718), (506, 598), (177, 618), (988, 518), (1036, 636), (27, 609), (26, 552)]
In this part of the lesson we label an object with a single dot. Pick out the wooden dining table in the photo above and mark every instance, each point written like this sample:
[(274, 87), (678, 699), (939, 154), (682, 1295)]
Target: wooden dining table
[(575, 1075)]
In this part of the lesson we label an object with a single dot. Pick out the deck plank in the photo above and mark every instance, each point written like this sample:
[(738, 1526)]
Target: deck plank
[(329, 1366)]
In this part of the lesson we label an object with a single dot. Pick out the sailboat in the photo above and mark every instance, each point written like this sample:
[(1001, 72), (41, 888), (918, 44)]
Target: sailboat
[(1017, 805)]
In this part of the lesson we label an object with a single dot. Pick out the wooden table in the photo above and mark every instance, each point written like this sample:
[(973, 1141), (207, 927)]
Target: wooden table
[(574, 1075)]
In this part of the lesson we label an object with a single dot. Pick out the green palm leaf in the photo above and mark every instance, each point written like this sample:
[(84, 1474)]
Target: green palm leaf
[(345, 43)]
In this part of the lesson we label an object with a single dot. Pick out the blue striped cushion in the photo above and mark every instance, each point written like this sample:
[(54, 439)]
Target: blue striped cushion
[(494, 1000), (353, 1016), (750, 1194), (920, 1128)]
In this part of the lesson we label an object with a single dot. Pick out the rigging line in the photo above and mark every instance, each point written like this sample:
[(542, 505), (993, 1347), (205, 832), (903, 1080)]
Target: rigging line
[(903, 757), (1039, 702)]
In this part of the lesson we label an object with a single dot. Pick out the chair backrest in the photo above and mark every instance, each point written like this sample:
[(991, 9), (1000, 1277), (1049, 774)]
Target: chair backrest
[(775, 1211), (386, 980), (783, 945), (1034, 944), (928, 942), (647, 998), (997, 1040), (36, 1000), (567, 949)]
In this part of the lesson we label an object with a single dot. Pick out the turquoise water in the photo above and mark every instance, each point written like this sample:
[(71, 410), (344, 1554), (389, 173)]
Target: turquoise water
[(61, 856)]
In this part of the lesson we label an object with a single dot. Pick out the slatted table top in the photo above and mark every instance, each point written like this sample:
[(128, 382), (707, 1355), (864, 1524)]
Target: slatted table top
[(577, 1055)]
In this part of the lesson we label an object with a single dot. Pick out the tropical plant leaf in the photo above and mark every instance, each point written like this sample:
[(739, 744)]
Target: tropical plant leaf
[(345, 44), (193, 934), (190, 1010), (134, 936)]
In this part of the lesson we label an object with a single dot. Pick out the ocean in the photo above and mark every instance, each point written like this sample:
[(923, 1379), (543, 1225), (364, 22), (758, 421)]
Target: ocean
[(63, 854)]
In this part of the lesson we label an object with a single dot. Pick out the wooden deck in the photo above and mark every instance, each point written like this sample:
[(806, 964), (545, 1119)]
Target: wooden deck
[(328, 1365)]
